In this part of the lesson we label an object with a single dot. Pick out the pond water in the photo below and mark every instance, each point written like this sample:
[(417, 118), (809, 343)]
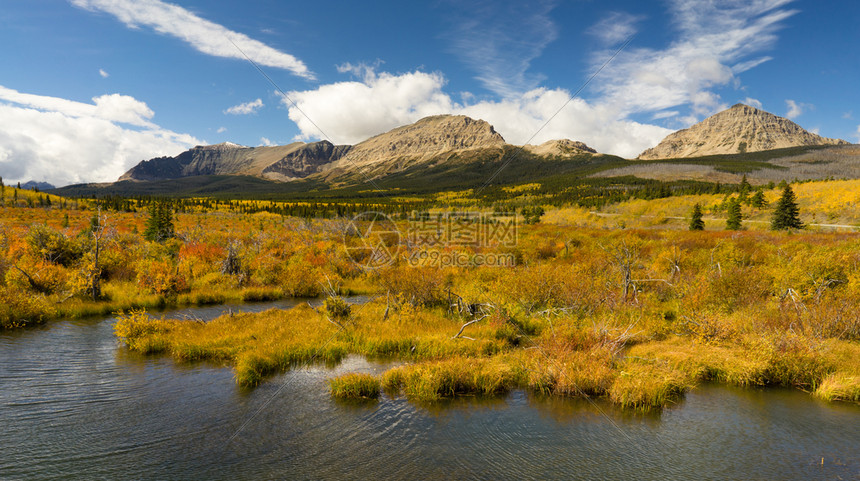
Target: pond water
[(74, 404)]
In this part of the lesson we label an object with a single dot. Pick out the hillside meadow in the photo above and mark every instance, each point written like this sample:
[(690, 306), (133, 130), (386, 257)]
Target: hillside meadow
[(638, 316)]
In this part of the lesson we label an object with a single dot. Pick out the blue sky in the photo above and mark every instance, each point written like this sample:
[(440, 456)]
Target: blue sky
[(89, 88)]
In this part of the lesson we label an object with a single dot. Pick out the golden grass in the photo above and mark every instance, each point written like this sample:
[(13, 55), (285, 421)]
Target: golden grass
[(570, 359), (355, 386), (844, 383), (457, 376), (645, 385)]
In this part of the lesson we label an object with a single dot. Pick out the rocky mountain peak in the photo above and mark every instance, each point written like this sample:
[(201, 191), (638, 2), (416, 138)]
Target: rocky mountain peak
[(739, 129), (560, 148), (426, 138)]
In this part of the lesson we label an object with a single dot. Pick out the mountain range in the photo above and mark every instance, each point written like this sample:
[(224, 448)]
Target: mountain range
[(440, 139), (429, 141), (455, 152)]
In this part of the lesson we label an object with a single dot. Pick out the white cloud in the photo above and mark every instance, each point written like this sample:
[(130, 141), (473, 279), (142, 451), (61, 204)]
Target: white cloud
[(742, 67), (816, 130), (350, 112), (221, 130), (713, 37), (103, 73), (499, 40), (858, 134), (265, 142), (247, 108), (665, 114), (62, 141), (796, 109), (112, 107), (615, 28), (205, 36), (752, 102), (597, 125)]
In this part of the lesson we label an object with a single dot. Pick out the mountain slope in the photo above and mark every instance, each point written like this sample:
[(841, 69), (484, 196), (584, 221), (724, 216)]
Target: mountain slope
[(739, 129)]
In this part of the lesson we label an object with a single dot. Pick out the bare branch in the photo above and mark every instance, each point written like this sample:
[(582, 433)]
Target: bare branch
[(464, 326)]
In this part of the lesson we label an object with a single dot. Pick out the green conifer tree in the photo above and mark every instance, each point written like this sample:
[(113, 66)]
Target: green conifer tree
[(758, 201), (735, 218), (787, 214), (696, 221), (159, 225)]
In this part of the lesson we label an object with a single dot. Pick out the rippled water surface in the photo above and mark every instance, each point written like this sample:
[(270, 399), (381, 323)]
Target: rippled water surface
[(75, 404)]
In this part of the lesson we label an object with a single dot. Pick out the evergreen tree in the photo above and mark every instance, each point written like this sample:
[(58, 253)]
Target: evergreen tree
[(717, 188), (735, 217), (159, 226), (787, 214), (532, 214), (745, 186), (758, 201), (696, 222)]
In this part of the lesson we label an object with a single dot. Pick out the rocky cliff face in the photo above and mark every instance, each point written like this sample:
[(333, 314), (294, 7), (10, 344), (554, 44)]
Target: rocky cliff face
[(737, 130), (305, 161)]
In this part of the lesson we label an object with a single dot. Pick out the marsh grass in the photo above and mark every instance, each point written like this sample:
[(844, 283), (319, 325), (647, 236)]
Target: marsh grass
[(457, 376), (844, 383), (646, 385), (573, 358), (355, 386)]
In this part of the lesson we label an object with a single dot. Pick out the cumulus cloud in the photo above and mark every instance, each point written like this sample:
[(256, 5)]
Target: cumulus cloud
[(265, 142), (499, 40), (245, 109), (795, 109), (717, 41), (599, 126), (350, 112), (221, 130), (112, 107), (752, 102), (858, 134), (103, 73), (62, 141), (615, 28), (205, 36)]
